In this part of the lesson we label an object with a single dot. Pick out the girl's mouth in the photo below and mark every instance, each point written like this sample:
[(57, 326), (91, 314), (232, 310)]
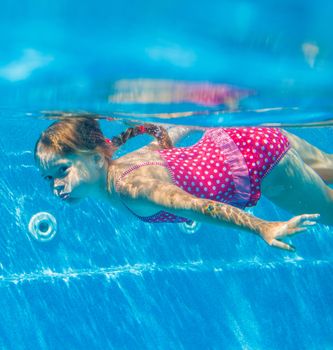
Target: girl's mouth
[(64, 196)]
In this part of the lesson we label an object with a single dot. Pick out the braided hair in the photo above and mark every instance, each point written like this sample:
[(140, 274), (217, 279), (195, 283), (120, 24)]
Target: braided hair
[(157, 132), (82, 135)]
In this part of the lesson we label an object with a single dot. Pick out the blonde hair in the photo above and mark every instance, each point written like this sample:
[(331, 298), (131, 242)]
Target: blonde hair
[(84, 135), (72, 136)]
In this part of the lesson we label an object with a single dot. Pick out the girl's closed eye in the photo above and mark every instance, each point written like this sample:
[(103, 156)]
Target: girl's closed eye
[(63, 170)]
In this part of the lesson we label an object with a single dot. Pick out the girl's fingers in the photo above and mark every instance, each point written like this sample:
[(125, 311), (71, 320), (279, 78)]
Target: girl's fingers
[(303, 221), (308, 217), (279, 244), (296, 225), (297, 230), (300, 228), (310, 223)]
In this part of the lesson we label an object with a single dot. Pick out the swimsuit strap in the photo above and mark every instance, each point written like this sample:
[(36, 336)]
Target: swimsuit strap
[(137, 166), (161, 216)]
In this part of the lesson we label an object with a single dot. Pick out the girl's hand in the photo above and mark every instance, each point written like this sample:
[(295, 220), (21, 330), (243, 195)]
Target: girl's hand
[(274, 231)]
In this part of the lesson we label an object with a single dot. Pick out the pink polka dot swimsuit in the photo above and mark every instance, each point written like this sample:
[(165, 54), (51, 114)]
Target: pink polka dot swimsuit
[(226, 165)]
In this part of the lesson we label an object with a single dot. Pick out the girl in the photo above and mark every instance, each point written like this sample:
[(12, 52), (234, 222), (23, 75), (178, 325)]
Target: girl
[(211, 181)]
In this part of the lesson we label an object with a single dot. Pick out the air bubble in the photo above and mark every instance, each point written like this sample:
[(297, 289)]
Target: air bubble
[(43, 226), (190, 227)]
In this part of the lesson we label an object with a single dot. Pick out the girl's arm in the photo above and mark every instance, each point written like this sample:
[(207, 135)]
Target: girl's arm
[(176, 133), (173, 199)]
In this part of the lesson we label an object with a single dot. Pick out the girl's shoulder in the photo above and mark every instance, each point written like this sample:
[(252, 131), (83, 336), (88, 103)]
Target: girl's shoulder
[(146, 153), (139, 167)]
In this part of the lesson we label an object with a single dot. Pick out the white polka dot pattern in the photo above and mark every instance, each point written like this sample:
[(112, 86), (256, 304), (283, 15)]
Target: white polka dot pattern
[(201, 170), (262, 148), (204, 170), (209, 169)]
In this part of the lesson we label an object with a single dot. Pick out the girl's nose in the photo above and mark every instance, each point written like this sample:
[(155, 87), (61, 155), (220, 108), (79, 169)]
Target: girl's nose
[(58, 187)]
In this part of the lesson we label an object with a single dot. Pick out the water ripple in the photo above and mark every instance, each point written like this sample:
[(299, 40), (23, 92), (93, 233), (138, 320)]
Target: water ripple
[(49, 275)]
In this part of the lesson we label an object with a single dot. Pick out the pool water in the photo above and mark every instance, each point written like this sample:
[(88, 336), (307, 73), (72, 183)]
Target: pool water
[(108, 280)]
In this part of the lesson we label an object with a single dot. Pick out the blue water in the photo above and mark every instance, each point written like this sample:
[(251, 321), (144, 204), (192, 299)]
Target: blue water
[(109, 281)]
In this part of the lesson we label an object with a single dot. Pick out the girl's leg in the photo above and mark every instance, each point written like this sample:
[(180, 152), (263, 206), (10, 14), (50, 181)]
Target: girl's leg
[(297, 188), (319, 161)]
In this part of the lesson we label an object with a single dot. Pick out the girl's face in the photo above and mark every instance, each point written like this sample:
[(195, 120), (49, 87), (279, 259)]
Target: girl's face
[(75, 177)]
